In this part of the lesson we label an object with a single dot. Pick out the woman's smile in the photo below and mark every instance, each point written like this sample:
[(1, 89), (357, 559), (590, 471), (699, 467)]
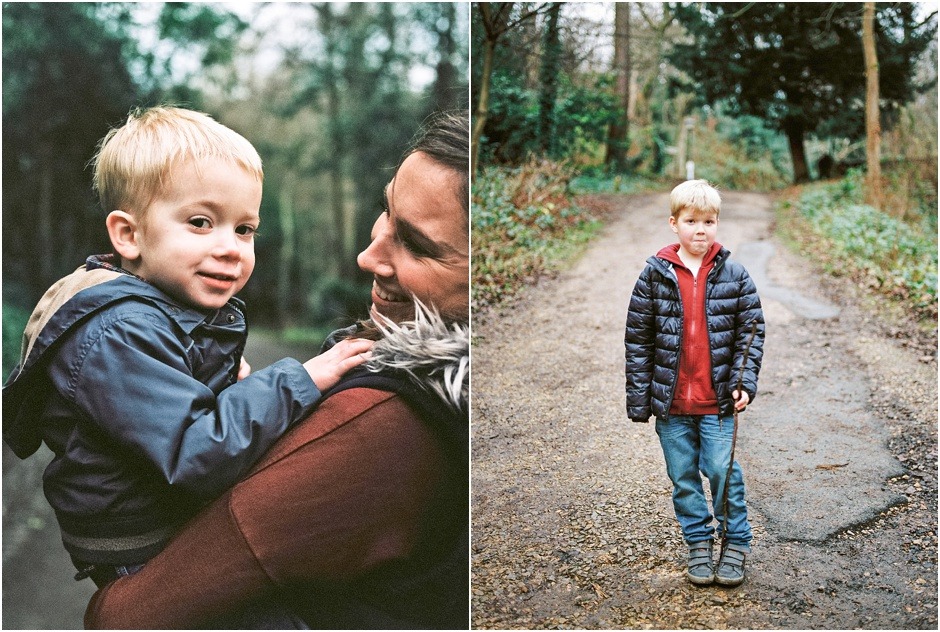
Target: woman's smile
[(385, 295)]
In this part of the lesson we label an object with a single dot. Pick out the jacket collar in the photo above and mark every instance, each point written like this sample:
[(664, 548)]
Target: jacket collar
[(665, 264), (430, 353), (98, 284), (185, 317)]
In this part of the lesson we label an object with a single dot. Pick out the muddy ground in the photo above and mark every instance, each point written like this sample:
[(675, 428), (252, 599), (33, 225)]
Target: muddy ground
[(572, 516)]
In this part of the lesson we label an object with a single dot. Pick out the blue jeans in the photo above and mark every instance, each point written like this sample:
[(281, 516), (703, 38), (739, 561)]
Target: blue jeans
[(701, 443)]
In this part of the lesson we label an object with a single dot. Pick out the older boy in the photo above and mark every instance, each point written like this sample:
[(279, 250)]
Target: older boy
[(687, 328), (130, 365)]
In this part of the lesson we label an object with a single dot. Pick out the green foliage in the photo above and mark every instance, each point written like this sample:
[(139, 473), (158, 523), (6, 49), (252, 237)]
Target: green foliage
[(888, 255), (581, 118), (598, 180), (14, 322), (64, 84), (741, 154), (523, 224), (799, 65)]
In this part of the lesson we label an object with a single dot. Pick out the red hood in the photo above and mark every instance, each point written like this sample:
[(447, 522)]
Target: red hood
[(671, 254)]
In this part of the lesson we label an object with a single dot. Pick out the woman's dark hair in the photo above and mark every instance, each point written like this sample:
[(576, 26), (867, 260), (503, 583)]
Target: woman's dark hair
[(445, 138)]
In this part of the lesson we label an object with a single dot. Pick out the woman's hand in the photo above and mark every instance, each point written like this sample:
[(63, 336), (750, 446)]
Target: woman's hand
[(326, 368), (741, 399)]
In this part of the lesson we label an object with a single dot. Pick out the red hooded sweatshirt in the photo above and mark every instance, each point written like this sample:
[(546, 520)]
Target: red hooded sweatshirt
[(694, 394)]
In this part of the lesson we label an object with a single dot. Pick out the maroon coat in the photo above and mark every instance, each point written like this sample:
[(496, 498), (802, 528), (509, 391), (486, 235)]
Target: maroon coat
[(343, 514)]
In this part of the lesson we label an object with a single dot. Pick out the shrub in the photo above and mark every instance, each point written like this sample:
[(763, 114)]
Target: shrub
[(524, 223)]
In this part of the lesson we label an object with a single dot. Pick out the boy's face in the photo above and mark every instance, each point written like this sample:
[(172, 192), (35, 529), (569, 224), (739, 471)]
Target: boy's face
[(196, 239), (696, 230)]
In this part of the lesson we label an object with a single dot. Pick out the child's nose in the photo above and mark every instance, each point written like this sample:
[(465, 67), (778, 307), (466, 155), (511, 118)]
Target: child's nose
[(226, 244)]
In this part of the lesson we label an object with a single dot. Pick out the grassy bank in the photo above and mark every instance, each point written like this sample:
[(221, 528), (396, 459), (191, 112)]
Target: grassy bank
[(894, 259), (525, 224)]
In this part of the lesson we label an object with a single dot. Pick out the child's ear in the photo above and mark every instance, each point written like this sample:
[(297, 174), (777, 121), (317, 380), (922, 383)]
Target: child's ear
[(672, 224), (122, 229)]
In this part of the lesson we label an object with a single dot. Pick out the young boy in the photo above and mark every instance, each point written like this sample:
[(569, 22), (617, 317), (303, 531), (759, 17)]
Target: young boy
[(687, 328), (130, 366)]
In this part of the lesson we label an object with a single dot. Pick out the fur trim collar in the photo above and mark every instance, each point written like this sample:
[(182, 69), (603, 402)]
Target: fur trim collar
[(433, 354)]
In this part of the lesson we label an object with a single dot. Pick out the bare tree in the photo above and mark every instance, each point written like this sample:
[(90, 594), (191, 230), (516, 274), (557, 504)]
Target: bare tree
[(496, 22)]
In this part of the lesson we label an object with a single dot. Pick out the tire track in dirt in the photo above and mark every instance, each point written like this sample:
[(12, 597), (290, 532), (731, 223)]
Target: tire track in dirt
[(572, 518)]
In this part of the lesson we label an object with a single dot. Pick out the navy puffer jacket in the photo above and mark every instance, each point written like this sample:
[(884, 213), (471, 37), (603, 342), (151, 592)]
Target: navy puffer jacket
[(653, 335)]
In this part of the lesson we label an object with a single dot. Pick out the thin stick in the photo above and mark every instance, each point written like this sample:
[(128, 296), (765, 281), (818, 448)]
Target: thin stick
[(734, 435)]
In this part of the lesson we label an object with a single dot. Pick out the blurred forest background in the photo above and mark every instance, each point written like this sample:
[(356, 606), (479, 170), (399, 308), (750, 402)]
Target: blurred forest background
[(585, 98), (329, 94)]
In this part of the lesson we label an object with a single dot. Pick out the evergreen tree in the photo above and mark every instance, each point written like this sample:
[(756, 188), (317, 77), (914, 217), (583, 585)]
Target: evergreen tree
[(799, 65)]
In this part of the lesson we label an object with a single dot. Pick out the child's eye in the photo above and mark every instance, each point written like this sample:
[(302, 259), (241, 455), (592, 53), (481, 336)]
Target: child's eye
[(246, 230), (200, 222)]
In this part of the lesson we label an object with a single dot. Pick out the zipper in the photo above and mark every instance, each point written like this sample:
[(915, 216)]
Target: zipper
[(692, 332)]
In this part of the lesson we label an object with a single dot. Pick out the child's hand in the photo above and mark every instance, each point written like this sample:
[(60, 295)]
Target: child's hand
[(244, 370), (326, 368), (741, 399)]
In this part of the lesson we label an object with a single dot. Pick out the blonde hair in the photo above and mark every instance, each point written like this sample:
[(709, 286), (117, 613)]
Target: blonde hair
[(696, 195), (134, 160)]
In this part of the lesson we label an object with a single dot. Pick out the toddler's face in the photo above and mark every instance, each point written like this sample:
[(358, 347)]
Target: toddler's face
[(696, 230), (196, 239)]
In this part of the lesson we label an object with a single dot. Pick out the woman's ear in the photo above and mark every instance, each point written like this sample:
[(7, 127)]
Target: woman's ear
[(122, 229)]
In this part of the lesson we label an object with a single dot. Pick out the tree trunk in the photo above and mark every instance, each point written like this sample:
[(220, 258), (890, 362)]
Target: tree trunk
[(285, 286), (445, 71), (336, 255), (483, 103), (872, 118), (47, 247), (495, 17), (681, 101), (794, 132), (618, 142), (548, 80)]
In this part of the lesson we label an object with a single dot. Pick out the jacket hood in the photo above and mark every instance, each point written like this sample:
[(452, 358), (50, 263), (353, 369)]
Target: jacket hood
[(433, 354), (58, 295)]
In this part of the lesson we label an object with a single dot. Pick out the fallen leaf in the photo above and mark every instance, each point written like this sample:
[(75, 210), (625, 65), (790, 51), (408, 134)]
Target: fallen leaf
[(831, 466)]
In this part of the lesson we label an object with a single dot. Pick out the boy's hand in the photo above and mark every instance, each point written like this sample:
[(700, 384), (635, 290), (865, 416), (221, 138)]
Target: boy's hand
[(244, 370), (326, 368), (741, 399)]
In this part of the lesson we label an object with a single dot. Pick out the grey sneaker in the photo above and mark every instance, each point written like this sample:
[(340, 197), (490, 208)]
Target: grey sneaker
[(731, 565), (701, 567)]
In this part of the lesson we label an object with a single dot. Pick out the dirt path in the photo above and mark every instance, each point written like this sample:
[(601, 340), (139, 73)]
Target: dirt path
[(572, 518)]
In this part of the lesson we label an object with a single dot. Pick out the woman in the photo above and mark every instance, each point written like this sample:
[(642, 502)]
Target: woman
[(358, 517)]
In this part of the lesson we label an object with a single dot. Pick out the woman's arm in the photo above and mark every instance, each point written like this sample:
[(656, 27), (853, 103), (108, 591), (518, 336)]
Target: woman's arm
[(341, 493)]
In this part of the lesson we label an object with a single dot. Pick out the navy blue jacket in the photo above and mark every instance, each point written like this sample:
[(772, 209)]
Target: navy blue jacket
[(653, 335), (137, 397)]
